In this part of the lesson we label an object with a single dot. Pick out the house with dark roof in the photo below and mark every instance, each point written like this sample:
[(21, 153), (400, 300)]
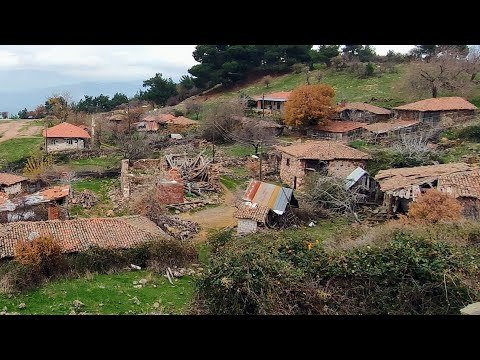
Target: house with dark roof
[(64, 137), (264, 205), (363, 112), (299, 160), (82, 234), (434, 109), (337, 130), (274, 102), (401, 186), (11, 184)]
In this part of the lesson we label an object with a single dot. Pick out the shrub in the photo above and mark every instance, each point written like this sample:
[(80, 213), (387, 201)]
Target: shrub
[(470, 133), (178, 112), (416, 271), (434, 206), (369, 69)]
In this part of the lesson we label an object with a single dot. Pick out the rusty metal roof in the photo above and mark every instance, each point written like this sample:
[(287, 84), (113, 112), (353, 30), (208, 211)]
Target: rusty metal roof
[(271, 196), (47, 195)]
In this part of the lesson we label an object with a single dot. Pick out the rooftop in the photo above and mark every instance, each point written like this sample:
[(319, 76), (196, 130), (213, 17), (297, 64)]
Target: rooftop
[(278, 96), (364, 107), (10, 179), (252, 212), (323, 150), (339, 126), (271, 196), (66, 130), (383, 127), (439, 104), (82, 234)]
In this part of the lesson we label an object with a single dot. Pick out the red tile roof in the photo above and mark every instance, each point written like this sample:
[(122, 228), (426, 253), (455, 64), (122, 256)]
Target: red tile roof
[(10, 179), (364, 107), (464, 184), (339, 126), (439, 104), (383, 127), (324, 150), (182, 120), (256, 213), (279, 96), (55, 193), (66, 130), (81, 234)]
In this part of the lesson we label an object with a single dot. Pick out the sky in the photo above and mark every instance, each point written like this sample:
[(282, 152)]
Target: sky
[(42, 68)]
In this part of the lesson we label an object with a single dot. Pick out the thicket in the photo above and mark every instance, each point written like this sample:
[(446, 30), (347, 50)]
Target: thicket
[(410, 271)]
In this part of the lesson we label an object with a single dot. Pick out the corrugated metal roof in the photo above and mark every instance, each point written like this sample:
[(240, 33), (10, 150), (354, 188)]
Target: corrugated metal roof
[(54, 193), (354, 176), (271, 196)]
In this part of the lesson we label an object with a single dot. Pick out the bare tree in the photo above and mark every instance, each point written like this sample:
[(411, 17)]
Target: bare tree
[(255, 132), (133, 145), (60, 105), (473, 60), (267, 80), (193, 107), (448, 70), (221, 120), (331, 193)]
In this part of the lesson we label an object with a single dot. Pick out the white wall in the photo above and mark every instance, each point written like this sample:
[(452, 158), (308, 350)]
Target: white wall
[(60, 144)]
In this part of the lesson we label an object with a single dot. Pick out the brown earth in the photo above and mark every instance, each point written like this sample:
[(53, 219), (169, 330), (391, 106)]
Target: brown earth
[(10, 129)]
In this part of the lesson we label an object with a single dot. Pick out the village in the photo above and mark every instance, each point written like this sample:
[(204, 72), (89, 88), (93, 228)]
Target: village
[(141, 173)]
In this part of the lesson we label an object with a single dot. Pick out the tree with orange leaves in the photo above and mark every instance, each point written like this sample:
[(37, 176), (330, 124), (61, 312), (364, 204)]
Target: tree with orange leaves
[(309, 105)]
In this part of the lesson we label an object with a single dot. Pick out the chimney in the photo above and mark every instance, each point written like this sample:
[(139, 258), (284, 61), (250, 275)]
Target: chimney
[(53, 211)]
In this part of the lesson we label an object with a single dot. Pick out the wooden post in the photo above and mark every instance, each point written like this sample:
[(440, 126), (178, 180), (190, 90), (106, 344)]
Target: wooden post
[(46, 137), (260, 157), (263, 105), (213, 146)]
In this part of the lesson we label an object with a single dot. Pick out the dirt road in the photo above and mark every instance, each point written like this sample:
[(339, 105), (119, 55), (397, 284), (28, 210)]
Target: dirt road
[(213, 218), (10, 129)]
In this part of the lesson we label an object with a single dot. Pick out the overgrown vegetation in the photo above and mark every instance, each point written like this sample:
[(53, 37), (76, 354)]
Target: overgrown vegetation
[(408, 272), (18, 150)]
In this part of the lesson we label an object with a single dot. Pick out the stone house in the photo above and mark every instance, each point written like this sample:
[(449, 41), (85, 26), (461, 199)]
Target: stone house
[(337, 130), (12, 184), (64, 137), (383, 130), (332, 157), (48, 204), (363, 112), (401, 186), (264, 205), (435, 109)]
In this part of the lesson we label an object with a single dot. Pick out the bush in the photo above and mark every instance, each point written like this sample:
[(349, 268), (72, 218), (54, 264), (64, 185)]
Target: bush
[(414, 272), (178, 112), (369, 69), (470, 133), (434, 206)]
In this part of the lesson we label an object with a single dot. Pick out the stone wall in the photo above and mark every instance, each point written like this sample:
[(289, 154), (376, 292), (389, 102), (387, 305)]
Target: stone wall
[(125, 179), (60, 144), (343, 168), (170, 192), (246, 226), (12, 189)]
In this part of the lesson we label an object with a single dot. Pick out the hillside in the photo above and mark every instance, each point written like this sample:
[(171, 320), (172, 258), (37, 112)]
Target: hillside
[(382, 89)]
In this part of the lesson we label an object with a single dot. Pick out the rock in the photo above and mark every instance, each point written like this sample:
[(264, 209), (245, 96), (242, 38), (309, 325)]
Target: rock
[(177, 212), (22, 306), (101, 304), (311, 224), (135, 282), (5, 308), (472, 309), (177, 273), (72, 312), (78, 304), (143, 281), (135, 300), (136, 267), (156, 305), (154, 285), (137, 286), (110, 213)]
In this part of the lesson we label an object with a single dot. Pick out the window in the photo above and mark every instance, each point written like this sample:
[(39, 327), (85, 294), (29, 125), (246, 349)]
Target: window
[(69, 141), (288, 162), (54, 141)]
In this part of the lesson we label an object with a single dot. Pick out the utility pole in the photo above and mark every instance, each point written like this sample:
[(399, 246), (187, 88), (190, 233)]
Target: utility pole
[(260, 158), (213, 146), (46, 135), (263, 105)]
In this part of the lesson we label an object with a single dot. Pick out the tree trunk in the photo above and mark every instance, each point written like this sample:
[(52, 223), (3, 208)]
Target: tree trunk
[(473, 76), (434, 90)]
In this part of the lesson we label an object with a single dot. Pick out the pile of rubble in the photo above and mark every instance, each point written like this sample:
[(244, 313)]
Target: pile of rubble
[(176, 227), (86, 198)]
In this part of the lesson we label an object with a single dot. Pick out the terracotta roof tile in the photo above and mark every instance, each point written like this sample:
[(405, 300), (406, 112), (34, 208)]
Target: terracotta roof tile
[(439, 104), (66, 130), (339, 126), (10, 179), (81, 234), (55, 193), (274, 96), (383, 127), (464, 184), (323, 150), (182, 120), (364, 107), (256, 213)]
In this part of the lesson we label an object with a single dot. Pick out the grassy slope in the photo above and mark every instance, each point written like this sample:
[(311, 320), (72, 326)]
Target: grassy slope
[(16, 149), (114, 291)]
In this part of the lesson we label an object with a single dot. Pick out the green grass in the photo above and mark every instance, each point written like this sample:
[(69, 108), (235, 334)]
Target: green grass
[(98, 186), (105, 294), (461, 152), (19, 148), (105, 162), (321, 231), (230, 184), (237, 150)]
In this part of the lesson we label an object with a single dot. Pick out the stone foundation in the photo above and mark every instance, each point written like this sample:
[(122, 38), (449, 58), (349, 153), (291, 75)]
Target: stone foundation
[(246, 226)]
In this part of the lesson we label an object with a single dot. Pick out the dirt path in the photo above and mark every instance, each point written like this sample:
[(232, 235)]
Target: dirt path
[(213, 218), (10, 129)]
